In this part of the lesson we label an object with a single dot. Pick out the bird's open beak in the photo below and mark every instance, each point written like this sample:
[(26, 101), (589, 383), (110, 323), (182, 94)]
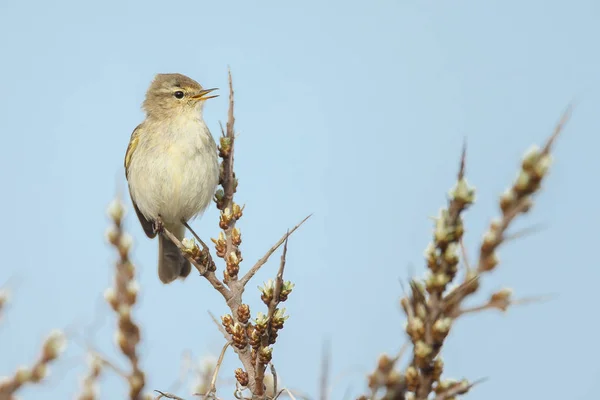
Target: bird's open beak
[(202, 95)]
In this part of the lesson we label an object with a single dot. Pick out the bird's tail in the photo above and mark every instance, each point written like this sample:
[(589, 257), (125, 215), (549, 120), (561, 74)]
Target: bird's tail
[(171, 263)]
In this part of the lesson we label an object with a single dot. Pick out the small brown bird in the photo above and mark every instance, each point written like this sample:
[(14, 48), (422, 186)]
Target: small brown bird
[(171, 165)]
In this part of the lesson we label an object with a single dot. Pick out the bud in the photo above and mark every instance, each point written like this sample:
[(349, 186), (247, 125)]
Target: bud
[(116, 210), (440, 329), (265, 354), (531, 158), (243, 313), (237, 211), (54, 345), (463, 193), (422, 350), (261, 322), (501, 299), (23, 375), (242, 377), (227, 321)]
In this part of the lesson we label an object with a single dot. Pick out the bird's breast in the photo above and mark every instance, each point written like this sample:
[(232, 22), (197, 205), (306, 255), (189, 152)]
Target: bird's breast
[(177, 172)]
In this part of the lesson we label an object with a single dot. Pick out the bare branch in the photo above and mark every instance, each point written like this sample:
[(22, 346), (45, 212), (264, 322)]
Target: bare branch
[(202, 269), (270, 252), (213, 383)]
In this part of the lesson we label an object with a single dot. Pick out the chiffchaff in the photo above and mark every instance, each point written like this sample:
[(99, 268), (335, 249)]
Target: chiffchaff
[(171, 165)]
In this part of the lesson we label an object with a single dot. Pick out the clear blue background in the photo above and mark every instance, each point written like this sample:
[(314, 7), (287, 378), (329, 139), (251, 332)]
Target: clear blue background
[(354, 111)]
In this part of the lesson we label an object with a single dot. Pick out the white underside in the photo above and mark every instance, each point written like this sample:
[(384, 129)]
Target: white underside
[(174, 171)]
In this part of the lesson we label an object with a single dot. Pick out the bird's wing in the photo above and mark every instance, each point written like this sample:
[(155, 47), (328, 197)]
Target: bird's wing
[(148, 226), (133, 143)]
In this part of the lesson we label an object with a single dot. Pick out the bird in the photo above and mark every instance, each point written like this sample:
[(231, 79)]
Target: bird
[(171, 165)]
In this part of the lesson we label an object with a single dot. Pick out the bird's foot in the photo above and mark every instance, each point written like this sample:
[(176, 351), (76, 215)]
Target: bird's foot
[(158, 225)]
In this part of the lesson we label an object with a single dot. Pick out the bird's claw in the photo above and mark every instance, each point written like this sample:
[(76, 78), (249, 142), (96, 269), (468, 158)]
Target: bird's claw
[(158, 226)]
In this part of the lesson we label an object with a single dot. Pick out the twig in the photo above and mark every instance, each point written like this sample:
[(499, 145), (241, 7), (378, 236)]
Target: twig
[(105, 362), (167, 395), (246, 278), (458, 389), (274, 374), (260, 365), (213, 382), (202, 269), (122, 297), (52, 347), (325, 369)]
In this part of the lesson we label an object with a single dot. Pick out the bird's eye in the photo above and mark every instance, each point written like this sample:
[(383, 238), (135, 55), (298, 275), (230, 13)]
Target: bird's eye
[(178, 94)]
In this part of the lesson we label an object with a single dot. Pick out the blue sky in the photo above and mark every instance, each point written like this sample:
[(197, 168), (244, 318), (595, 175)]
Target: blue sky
[(353, 111)]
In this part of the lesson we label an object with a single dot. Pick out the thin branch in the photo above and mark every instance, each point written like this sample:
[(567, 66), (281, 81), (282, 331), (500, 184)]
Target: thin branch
[(246, 278), (558, 129), (458, 389), (167, 395), (274, 373), (105, 362), (204, 246), (265, 340), (213, 382), (325, 369), (209, 275)]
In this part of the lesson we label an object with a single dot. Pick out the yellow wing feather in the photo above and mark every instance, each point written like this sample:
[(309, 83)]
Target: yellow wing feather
[(147, 226), (133, 143)]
